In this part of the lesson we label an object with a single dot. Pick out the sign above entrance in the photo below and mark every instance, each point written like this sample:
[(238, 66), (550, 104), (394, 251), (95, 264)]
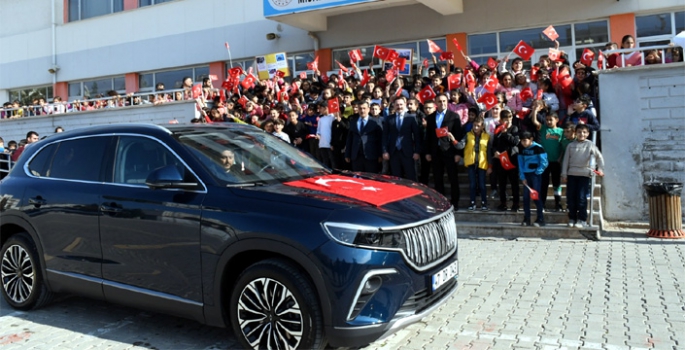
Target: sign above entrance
[(287, 7)]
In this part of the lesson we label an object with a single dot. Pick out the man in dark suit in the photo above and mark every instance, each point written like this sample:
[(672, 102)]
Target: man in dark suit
[(440, 151), (402, 141), (364, 140)]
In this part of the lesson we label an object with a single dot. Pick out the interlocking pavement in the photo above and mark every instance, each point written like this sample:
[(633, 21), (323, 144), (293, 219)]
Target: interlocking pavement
[(624, 292)]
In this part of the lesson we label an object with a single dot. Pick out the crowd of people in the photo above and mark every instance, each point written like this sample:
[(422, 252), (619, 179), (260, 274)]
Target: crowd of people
[(498, 120)]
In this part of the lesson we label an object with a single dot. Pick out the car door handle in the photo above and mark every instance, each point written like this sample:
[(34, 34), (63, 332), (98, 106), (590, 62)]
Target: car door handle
[(37, 201), (110, 208)]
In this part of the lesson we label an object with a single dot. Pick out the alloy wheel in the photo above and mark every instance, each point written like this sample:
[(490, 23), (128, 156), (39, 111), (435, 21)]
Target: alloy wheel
[(17, 274), (269, 315)]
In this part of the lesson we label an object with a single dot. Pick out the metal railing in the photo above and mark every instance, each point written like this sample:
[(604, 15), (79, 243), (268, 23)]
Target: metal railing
[(640, 51), (76, 106)]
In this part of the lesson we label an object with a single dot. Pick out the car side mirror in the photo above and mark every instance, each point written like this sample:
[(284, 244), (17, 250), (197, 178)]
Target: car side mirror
[(168, 177)]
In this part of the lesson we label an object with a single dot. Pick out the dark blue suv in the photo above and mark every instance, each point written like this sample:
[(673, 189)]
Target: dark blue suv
[(226, 225)]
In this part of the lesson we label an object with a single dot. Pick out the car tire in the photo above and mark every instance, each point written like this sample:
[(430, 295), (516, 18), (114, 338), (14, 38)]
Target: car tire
[(294, 321), (23, 286)]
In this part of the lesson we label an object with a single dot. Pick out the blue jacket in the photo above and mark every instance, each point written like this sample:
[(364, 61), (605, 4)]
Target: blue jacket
[(532, 159)]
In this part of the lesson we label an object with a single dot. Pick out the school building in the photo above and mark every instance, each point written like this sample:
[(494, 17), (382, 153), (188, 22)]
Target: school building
[(80, 48)]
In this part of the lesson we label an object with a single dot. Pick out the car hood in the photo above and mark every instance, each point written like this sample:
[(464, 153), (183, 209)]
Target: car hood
[(428, 203)]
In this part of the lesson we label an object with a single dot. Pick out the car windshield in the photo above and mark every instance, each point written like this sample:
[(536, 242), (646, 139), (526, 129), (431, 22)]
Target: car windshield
[(244, 156)]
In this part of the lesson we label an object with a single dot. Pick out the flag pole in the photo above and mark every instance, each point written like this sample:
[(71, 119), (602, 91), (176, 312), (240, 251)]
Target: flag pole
[(230, 60)]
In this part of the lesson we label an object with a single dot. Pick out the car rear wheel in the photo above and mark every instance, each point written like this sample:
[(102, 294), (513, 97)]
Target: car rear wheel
[(23, 286), (273, 306)]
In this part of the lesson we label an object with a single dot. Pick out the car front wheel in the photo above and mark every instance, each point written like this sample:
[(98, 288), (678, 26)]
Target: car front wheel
[(22, 281), (273, 306)]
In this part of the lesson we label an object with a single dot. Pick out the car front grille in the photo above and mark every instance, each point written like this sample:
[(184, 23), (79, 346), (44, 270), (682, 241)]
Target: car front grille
[(430, 243), (424, 299)]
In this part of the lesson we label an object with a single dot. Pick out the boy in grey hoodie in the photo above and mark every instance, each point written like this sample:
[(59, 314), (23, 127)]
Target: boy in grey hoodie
[(576, 173)]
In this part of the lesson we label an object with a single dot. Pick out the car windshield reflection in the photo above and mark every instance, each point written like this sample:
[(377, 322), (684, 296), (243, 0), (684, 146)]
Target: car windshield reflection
[(248, 157)]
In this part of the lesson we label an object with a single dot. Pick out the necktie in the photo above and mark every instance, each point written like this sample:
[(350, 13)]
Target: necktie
[(361, 124), (399, 121)]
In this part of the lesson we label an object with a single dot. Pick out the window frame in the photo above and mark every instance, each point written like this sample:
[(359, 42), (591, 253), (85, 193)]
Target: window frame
[(151, 88), (79, 9), (81, 83), (48, 94), (639, 40)]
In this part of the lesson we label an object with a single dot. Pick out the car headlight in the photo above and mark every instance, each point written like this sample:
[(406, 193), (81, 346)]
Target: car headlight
[(372, 237)]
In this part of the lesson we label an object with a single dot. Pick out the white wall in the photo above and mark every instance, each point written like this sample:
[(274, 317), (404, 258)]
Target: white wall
[(643, 134), (16, 129)]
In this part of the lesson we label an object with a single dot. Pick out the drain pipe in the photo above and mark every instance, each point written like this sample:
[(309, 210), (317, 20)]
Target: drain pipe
[(315, 39), (54, 44)]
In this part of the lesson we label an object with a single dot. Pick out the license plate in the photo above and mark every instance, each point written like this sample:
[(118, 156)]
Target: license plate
[(443, 276)]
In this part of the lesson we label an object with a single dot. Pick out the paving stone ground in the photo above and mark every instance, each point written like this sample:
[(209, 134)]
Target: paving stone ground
[(624, 292)]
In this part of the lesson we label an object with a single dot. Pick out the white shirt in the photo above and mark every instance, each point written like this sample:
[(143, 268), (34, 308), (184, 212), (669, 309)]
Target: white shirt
[(324, 130)]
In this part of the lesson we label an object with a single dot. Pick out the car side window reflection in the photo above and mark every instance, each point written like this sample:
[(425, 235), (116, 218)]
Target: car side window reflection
[(40, 164), (137, 157), (79, 159)]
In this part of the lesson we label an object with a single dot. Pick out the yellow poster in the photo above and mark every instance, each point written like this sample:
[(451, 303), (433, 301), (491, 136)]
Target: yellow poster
[(268, 65)]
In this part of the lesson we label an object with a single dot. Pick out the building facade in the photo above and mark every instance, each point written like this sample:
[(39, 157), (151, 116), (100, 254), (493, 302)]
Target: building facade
[(80, 48)]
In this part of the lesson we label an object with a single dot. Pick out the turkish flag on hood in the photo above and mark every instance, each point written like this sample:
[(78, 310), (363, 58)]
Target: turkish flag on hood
[(369, 191)]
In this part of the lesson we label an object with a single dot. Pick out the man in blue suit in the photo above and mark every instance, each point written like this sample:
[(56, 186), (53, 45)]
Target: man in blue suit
[(364, 140), (402, 141)]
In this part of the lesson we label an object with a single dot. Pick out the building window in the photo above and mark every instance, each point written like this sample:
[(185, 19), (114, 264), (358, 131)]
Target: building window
[(142, 3), (659, 29), (84, 9), (27, 95), (573, 39), (95, 88), (172, 79)]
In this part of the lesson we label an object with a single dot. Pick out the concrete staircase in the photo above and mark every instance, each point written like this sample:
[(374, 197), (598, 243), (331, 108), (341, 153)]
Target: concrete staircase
[(507, 224)]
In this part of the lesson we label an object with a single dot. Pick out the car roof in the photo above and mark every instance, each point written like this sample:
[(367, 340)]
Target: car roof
[(144, 128)]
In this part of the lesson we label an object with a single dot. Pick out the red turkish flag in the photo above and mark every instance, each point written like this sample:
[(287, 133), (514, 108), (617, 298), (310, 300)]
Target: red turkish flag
[(433, 47), (446, 55), (365, 77), (523, 113), (565, 80), (390, 76), (213, 77), (600, 60), (492, 83), (489, 100), (492, 64), (534, 73), (533, 193), (229, 83), (197, 90), (248, 82), (283, 96), (235, 71), (355, 55), (524, 50), (369, 191), (341, 81), (526, 94), (551, 33), (426, 94), (538, 94), (242, 100), (453, 81), (303, 75), (313, 65), (505, 161), (470, 81), (442, 132), (554, 54), (280, 73), (587, 57), (399, 63), (456, 43), (392, 55), (381, 52), (294, 89), (425, 63), (333, 105), (342, 68), (222, 95), (226, 44)]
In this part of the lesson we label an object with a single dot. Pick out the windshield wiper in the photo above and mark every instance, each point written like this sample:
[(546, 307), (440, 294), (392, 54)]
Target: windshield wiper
[(248, 184)]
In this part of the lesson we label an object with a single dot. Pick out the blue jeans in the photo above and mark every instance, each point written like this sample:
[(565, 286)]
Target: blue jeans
[(476, 181), (533, 181), (576, 197)]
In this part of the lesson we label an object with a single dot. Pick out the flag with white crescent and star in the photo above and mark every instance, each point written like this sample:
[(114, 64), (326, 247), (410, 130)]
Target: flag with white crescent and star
[(368, 191), (524, 50)]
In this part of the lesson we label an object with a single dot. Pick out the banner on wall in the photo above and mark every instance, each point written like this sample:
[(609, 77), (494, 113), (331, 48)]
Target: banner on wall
[(288, 7), (268, 65)]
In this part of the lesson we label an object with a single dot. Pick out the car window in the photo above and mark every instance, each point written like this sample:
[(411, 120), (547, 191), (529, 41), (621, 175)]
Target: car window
[(40, 163), (137, 157), (79, 159)]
